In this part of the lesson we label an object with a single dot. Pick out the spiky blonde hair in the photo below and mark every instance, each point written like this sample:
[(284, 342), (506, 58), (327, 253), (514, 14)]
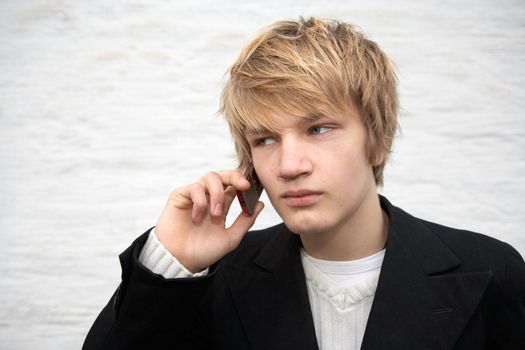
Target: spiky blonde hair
[(302, 66)]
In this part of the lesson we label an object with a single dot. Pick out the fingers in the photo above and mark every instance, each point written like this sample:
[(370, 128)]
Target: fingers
[(242, 224), (229, 196), (213, 193), (197, 195), (234, 178), (213, 185)]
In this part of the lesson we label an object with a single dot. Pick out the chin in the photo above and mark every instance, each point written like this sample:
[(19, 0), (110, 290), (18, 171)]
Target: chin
[(306, 225)]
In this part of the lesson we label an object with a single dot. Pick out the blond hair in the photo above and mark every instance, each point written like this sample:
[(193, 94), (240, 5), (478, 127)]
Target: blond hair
[(302, 66)]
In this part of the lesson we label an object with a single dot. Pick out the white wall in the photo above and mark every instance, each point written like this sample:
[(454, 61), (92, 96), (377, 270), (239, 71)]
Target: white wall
[(105, 106)]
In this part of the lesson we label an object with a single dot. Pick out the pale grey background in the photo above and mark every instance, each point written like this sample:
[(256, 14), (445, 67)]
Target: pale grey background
[(106, 106)]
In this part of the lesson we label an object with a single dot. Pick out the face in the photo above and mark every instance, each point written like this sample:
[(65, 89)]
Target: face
[(315, 170)]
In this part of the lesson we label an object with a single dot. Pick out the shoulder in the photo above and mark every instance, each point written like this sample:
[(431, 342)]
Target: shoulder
[(474, 248), (441, 250), (472, 251), (458, 237), (503, 303)]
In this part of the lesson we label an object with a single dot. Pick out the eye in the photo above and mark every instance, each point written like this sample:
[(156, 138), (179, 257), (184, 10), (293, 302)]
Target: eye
[(320, 129), (264, 141)]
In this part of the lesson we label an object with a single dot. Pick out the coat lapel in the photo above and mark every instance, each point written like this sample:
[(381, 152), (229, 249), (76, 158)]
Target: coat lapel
[(420, 302), (272, 299)]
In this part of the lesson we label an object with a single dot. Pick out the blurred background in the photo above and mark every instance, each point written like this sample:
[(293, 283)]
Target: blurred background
[(106, 106)]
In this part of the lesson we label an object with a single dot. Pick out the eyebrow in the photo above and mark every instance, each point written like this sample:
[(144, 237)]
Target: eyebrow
[(255, 131), (301, 120), (310, 118)]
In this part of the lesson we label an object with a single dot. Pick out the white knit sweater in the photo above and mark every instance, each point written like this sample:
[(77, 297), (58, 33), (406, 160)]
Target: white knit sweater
[(341, 296), (340, 293)]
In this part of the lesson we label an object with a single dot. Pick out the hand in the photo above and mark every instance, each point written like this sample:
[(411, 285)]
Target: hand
[(192, 225)]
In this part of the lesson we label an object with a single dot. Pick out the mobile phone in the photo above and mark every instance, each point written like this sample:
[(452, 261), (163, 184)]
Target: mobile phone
[(249, 198)]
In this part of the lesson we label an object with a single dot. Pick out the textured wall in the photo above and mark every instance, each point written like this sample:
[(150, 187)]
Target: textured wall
[(105, 106)]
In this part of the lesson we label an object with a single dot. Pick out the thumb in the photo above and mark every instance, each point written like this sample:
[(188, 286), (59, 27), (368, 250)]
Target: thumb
[(242, 224)]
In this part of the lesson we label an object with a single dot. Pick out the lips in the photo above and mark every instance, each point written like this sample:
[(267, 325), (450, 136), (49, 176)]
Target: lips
[(301, 198)]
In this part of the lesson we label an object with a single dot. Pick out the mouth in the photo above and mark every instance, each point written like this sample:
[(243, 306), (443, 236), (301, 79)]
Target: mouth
[(301, 198)]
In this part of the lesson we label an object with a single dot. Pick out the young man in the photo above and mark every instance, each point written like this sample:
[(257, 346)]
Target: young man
[(312, 106)]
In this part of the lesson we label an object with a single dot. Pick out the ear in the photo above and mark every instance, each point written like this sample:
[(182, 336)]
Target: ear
[(378, 158)]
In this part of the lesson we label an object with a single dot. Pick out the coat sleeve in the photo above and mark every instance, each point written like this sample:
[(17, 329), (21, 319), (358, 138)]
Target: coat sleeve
[(150, 312), (507, 326)]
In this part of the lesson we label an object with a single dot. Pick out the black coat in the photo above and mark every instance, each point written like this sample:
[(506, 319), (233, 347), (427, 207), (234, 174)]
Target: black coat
[(439, 288)]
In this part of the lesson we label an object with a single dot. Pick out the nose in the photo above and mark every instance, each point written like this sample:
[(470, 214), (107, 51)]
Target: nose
[(294, 159)]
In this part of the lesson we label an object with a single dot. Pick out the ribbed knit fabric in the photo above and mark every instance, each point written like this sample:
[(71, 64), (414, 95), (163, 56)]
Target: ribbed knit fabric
[(159, 260), (340, 313)]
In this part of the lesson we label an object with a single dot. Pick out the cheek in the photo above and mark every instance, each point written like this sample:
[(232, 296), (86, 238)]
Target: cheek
[(264, 171), (352, 166)]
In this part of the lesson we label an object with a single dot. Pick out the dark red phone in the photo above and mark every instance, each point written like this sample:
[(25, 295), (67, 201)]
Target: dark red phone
[(249, 198)]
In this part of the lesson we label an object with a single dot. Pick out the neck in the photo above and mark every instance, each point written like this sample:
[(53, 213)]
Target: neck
[(360, 236)]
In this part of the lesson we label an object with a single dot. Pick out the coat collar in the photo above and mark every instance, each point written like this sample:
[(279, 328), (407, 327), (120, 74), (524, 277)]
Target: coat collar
[(419, 303)]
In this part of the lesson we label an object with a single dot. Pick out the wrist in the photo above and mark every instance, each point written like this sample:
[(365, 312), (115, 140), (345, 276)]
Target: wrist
[(158, 259)]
